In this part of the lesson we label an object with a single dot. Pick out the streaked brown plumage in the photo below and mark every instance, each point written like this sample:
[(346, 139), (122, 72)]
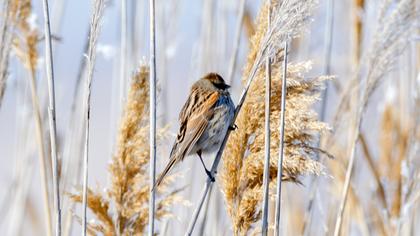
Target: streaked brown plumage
[(204, 120)]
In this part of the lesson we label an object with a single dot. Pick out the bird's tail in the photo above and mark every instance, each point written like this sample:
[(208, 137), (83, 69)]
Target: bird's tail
[(168, 167)]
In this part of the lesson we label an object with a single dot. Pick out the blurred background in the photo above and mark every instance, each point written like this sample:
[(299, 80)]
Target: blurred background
[(194, 38)]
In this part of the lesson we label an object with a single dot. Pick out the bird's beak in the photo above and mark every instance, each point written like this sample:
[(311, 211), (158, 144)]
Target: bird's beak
[(226, 86)]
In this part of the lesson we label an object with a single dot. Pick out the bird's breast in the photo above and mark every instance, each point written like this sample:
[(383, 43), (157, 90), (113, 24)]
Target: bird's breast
[(217, 126)]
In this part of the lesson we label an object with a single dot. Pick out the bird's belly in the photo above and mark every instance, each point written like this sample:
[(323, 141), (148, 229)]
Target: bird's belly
[(216, 129)]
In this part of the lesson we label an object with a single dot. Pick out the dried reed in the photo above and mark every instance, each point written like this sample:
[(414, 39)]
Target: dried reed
[(393, 133), (281, 148), (98, 7), (152, 115), (236, 41), (394, 25), (123, 50), (73, 167), (248, 24), (388, 173), (25, 47), (10, 12), (289, 18), (129, 190), (383, 189), (267, 135), (326, 65), (358, 29), (242, 172), (51, 116)]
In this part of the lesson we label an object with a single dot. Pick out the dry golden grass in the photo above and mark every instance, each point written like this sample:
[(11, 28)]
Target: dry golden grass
[(26, 38), (242, 173), (395, 22), (393, 143), (129, 190), (388, 197), (7, 24), (390, 38), (384, 191), (355, 211), (358, 28), (248, 24)]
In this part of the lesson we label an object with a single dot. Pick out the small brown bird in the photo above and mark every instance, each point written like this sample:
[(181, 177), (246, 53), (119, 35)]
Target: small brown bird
[(204, 121)]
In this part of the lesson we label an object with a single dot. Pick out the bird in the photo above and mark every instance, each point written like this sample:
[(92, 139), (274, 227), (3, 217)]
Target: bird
[(204, 121)]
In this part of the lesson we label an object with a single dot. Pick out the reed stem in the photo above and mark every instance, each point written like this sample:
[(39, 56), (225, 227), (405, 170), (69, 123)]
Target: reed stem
[(349, 171), (328, 42), (123, 52), (237, 41), (91, 56), (281, 149), (152, 118), (51, 115), (266, 174), (41, 152)]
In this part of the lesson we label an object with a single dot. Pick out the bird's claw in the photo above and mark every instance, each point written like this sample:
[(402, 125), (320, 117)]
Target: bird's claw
[(233, 127), (210, 176)]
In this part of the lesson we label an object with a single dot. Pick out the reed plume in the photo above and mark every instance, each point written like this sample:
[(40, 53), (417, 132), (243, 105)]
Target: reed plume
[(242, 173), (95, 23), (397, 170), (392, 35), (26, 38), (10, 10), (393, 134), (129, 189), (394, 25), (394, 174)]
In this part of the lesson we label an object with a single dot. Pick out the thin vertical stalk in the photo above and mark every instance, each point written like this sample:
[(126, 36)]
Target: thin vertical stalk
[(281, 149), (4, 56), (204, 220), (237, 40), (163, 45), (86, 154), (204, 193), (329, 28), (11, 209), (328, 39), (91, 56), (358, 30), (266, 175), (41, 151), (51, 115), (349, 171), (354, 136), (123, 51), (152, 117), (74, 141), (20, 194)]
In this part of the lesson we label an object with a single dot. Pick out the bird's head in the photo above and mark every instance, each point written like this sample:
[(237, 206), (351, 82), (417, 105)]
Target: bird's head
[(215, 81)]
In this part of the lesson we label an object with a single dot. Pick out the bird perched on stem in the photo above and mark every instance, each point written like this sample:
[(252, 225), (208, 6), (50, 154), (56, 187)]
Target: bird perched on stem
[(204, 121)]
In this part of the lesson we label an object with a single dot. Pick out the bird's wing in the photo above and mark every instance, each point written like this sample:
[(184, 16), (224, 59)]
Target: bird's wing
[(194, 118)]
